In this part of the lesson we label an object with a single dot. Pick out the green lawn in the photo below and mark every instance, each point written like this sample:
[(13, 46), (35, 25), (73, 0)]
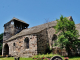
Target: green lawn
[(12, 58), (7, 58), (40, 56), (74, 58)]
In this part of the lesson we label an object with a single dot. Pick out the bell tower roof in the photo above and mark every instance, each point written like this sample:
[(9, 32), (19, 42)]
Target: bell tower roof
[(18, 20)]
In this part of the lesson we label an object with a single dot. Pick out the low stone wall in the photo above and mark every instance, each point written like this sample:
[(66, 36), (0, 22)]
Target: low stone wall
[(60, 51)]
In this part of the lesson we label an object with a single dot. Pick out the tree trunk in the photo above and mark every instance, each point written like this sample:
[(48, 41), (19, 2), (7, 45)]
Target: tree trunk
[(69, 51)]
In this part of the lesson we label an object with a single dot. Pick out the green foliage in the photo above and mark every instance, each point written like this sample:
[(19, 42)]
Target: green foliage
[(45, 55), (55, 44), (48, 50), (68, 35), (1, 36)]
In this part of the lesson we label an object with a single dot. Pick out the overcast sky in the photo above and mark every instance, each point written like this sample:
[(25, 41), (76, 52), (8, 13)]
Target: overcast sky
[(36, 12)]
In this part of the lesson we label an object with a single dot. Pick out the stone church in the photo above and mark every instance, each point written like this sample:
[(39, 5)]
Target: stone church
[(19, 40)]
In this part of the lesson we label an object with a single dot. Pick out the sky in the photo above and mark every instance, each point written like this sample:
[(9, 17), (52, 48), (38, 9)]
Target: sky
[(37, 12)]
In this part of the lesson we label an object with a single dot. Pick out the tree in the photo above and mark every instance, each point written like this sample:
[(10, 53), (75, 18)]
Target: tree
[(68, 35), (1, 41)]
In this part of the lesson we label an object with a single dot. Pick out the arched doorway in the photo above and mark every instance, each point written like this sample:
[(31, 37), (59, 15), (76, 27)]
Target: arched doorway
[(6, 49)]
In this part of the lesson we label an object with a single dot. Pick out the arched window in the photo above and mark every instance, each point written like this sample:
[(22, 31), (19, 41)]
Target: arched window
[(54, 40), (54, 37), (26, 43), (13, 44)]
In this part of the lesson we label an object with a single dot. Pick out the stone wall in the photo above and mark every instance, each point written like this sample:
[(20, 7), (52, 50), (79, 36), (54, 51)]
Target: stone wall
[(51, 31), (42, 41), (19, 50), (59, 51), (45, 38), (8, 30), (38, 43)]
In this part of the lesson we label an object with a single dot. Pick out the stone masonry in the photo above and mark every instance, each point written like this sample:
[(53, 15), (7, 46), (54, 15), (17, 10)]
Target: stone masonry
[(19, 50), (19, 40)]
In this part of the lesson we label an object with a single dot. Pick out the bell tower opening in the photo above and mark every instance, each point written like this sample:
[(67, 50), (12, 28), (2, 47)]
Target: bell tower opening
[(13, 27)]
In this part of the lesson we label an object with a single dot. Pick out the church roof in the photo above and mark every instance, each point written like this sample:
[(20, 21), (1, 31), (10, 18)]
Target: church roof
[(18, 20), (36, 29)]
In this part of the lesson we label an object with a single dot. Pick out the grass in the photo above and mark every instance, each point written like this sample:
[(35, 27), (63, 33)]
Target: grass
[(45, 55), (12, 58), (74, 58), (51, 55), (40, 56), (26, 59)]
